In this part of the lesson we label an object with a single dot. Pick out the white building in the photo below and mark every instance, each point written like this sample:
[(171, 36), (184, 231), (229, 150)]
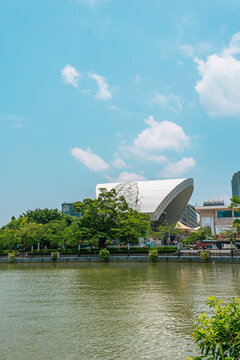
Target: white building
[(161, 199)]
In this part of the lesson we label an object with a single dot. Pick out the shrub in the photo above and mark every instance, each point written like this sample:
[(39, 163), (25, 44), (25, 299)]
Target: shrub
[(54, 256), (204, 255), (153, 255), (11, 257), (167, 249), (4, 252), (217, 337), (144, 250), (104, 254)]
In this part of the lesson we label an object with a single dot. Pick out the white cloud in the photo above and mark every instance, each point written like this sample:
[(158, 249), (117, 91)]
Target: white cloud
[(219, 87), (187, 50), (180, 63), (14, 120), (171, 102), (11, 117), (91, 3), (103, 92), (119, 163), (92, 161), (160, 136), (114, 107), (129, 176), (70, 75), (178, 168), (17, 125), (137, 78)]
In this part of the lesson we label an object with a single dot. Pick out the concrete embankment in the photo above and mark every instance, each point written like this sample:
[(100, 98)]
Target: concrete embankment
[(131, 258)]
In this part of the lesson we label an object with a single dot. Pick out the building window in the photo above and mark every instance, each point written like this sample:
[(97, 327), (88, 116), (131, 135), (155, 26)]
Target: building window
[(208, 222), (224, 214), (236, 213)]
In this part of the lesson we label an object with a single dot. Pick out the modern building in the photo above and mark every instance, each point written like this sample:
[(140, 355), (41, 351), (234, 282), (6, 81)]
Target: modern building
[(236, 184), (161, 199), (218, 217), (189, 216), (68, 209)]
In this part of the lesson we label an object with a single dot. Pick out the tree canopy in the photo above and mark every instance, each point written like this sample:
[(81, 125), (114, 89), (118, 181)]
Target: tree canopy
[(104, 220), (110, 217), (217, 336), (43, 216), (203, 233)]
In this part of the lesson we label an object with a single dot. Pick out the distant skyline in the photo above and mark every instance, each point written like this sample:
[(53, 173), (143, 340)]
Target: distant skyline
[(104, 90)]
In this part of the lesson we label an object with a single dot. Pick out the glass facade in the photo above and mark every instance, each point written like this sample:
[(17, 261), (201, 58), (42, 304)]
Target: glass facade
[(68, 209), (236, 184), (224, 214), (207, 221)]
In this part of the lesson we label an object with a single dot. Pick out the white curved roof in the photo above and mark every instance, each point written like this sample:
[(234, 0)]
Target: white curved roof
[(157, 195)]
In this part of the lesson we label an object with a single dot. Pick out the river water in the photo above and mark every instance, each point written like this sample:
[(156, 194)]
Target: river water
[(106, 311)]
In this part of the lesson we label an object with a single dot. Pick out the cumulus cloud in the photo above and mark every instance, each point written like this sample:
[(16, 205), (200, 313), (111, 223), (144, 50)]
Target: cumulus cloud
[(177, 168), (70, 75), (92, 161), (152, 143), (129, 176), (219, 87), (119, 163), (103, 92), (161, 136), (171, 102)]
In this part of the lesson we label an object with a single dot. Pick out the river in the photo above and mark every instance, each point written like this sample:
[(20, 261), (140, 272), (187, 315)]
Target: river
[(106, 311)]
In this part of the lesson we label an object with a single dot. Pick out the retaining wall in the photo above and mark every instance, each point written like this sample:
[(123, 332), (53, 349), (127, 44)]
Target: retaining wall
[(132, 258)]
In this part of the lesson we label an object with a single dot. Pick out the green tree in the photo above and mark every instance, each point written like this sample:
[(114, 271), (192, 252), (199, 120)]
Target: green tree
[(9, 238), (131, 226), (165, 230), (44, 216), (235, 202), (110, 217), (53, 233), (15, 224), (203, 233), (218, 336), (30, 234)]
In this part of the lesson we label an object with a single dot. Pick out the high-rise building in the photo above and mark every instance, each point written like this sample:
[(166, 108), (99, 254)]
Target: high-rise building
[(236, 184), (189, 216), (68, 209)]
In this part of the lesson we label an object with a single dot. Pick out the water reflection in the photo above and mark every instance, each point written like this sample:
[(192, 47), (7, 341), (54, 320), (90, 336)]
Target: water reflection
[(106, 311)]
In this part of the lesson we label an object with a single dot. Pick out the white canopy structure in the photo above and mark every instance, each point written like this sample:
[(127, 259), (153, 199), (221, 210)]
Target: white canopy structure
[(161, 199)]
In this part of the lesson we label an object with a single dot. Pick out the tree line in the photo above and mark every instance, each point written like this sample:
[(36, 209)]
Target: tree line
[(101, 222)]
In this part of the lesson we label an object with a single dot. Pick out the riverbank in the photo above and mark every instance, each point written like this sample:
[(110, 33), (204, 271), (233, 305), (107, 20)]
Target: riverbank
[(123, 258)]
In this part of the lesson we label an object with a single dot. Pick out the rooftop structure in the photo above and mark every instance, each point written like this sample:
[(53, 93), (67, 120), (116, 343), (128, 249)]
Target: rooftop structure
[(215, 202), (161, 199)]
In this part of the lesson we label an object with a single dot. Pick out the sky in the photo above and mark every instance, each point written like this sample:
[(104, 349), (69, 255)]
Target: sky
[(93, 91)]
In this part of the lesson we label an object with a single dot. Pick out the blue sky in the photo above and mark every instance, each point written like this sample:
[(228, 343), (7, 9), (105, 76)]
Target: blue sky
[(95, 91)]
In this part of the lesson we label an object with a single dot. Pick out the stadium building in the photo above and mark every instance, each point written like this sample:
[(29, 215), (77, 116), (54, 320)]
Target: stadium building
[(161, 199)]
